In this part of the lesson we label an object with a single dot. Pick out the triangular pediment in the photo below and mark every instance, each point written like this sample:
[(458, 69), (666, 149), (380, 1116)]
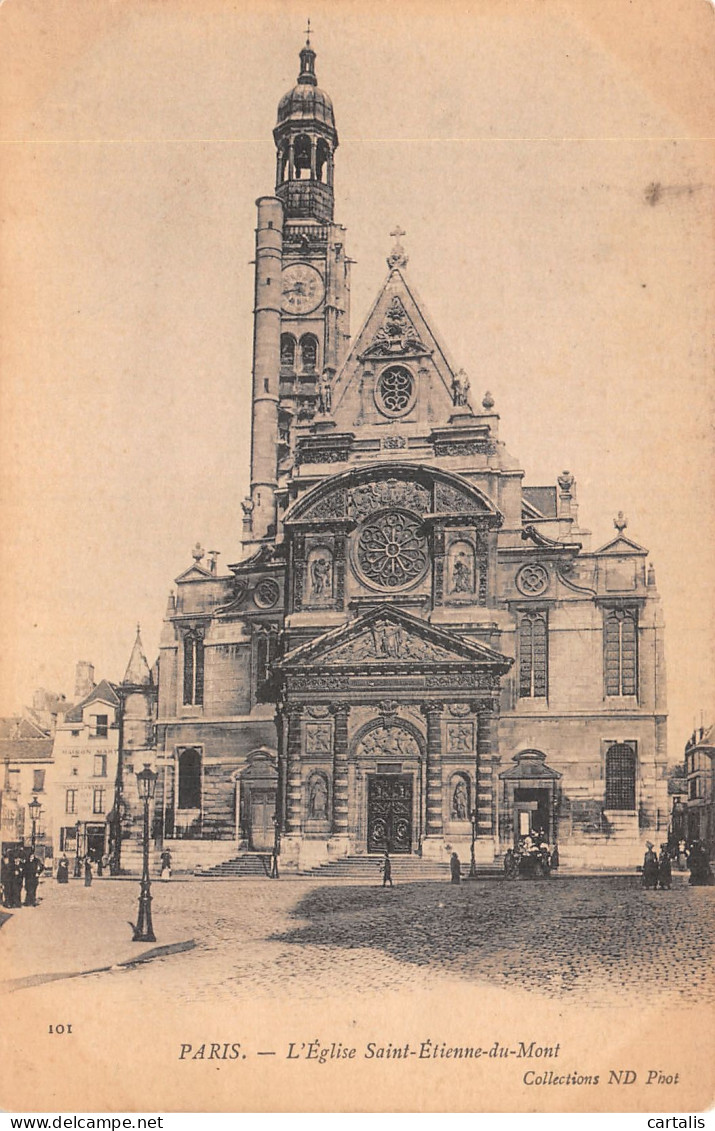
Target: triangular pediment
[(622, 547), (396, 332), (388, 636), (194, 573)]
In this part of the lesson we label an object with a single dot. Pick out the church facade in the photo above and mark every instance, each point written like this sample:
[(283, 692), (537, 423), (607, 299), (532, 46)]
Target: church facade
[(417, 651)]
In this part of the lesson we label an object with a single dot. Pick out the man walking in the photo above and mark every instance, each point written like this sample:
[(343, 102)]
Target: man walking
[(386, 870), (32, 871)]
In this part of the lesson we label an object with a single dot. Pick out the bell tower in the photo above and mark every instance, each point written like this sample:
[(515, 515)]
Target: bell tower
[(302, 291)]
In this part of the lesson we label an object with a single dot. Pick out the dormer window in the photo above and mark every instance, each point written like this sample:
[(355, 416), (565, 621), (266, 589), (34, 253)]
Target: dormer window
[(99, 726)]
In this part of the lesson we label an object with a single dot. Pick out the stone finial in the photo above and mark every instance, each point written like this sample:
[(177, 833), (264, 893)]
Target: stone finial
[(198, 552), (247, 507), (620, 522), (488, 401), (566, 481), (398, 256)]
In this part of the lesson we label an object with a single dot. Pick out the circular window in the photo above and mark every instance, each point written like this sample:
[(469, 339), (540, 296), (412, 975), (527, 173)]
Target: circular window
[(390, 552), (266, 593), (395, 391), (531, 580)]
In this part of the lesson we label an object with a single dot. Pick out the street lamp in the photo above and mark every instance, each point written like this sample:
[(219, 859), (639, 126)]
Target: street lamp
[(144, 931), (34, 809), (472, 862), (77, 870)]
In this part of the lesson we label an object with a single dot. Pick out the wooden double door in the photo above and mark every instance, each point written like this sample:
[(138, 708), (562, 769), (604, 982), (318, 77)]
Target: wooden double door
[(389, 812)]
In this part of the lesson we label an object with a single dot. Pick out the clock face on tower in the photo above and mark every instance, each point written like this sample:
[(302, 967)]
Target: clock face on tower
[(303, 288)]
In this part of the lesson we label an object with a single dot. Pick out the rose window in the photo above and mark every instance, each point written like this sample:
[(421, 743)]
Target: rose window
[(531, 580), (391, 553), (395, 391)]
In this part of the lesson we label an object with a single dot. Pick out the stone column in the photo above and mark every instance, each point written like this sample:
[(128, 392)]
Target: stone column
[(340, 712), (433, 714), (292, 722), (487, 761)]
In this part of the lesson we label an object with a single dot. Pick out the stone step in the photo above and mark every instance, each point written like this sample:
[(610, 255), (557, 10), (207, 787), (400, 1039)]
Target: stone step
[(403, 868), (245, 865)]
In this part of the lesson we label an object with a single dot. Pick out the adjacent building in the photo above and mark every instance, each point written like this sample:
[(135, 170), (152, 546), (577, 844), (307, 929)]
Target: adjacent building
[(419, 649), (700, 776), (94, 800), (25, 765)]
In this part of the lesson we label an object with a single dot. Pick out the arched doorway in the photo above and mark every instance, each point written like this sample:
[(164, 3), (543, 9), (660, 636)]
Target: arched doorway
[(258, 795), (390, 756), (530, 793)]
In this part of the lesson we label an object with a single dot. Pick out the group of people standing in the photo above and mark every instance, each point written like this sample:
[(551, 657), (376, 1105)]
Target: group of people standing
[(82, 867), (657, 872), (21, 870)]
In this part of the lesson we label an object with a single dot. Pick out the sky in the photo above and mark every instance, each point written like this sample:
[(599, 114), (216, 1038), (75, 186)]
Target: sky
[(552, 167)]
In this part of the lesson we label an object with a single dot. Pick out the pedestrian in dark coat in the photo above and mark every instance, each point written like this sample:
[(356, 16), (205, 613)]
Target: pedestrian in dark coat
[(63, 871), (87, 872), (650, 867), (665, 874), (32, 871), (386, 870), (99, 866), (16, 878), (6, 878), (455, 868)]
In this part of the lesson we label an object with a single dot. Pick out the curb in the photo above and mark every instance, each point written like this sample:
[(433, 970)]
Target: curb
[(32, 980)]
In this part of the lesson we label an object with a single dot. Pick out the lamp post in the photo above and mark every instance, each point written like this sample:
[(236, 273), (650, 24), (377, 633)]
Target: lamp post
[(144, 931), (34, 809), (77, 872), (472, 861)]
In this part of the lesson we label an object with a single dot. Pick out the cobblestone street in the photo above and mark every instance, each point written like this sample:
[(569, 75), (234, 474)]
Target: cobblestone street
[(590, 939)]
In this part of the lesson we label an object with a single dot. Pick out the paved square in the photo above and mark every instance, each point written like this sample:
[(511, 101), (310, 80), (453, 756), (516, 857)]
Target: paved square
[(591, 939)]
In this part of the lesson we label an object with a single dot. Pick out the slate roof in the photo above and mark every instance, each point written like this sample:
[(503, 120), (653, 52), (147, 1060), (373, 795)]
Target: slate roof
[(104, 691)]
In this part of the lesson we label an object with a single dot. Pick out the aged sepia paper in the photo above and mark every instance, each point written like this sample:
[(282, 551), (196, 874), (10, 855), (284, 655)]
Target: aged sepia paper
[(546, 170)]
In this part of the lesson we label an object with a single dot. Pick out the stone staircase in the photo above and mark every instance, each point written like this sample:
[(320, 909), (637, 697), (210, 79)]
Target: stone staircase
[(405, 869), (248, 864)]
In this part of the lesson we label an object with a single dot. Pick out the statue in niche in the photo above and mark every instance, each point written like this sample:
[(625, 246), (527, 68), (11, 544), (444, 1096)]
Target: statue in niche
[(318, 799), (460, 801), (321, 581), (463, 573)]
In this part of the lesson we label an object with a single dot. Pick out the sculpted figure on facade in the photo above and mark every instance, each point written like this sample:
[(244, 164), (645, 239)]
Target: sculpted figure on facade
[(460, 801), (318, 798)]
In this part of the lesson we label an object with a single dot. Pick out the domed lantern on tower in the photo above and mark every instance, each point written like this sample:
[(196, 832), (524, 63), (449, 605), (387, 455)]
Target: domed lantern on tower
[(306, 140)]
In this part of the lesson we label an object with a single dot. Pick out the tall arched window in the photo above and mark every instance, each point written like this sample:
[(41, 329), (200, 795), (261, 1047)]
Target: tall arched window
[(533, 655), (283, 168), (287, 351), (621, 652), (309, 353), (621, 776), (322, 161), (194, 667), (189, 778), (301, 157)]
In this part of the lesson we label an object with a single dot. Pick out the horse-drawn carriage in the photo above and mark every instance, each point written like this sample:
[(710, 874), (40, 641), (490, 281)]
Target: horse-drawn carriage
[(527, 863)]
